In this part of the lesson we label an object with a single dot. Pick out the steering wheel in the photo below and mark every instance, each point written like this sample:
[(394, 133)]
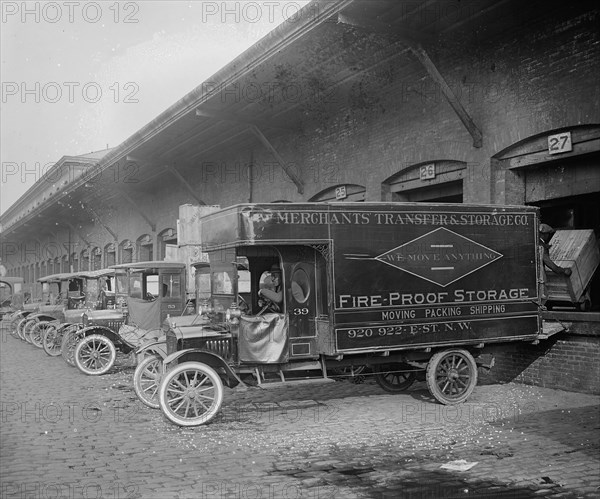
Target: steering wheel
[(267, 304)]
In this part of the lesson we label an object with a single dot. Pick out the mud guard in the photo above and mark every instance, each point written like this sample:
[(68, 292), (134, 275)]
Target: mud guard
[(109, 333), (20, 314), (159, 347), (42, 317), (229, 377)]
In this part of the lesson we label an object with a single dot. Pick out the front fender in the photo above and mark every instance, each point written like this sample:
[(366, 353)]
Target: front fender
[(19, 314), (159, 347), (42, 317), (109, 333), (230, 378)]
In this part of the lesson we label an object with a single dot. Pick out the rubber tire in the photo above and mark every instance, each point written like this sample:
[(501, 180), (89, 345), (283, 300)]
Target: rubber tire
[(20, 326), (84, 344), (142, 382), (210, 374), (68, 345), (435, 375), (385, 379), (37, 334), (52, 341), (27, 328)]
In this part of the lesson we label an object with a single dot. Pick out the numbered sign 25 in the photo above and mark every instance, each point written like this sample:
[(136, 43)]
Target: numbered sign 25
[(561, 142)]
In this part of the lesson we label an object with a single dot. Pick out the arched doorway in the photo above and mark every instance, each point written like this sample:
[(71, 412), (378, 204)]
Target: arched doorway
[(84, 261), (558, 171), (74, 264), (110, 255), (126, 251), (144, 248), (438, 181), (96, 263), (166, 238)]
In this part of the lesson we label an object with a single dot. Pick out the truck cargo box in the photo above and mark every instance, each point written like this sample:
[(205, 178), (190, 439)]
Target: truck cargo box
[(399, 275)]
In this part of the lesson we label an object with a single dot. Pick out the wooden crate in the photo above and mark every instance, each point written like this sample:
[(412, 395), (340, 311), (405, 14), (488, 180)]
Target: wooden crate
[(576, 250)]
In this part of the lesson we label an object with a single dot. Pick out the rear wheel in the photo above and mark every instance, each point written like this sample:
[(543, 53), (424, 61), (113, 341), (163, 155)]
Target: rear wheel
[(395, 378), (191, 394), (52, 340), (451, 376), (146, 380), (95, 354)]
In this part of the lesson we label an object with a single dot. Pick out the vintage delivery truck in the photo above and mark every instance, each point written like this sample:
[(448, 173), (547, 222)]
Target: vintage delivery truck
[(397, 287)]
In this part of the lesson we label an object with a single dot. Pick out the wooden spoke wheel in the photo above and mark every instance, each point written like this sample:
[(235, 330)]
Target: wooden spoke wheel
[(451, 376), (52, 340), (191, 394), (28, 329), (21, 328), (146, 380), (395, 378), (37, 333), (14, 323), (70, 339), (95, 354)]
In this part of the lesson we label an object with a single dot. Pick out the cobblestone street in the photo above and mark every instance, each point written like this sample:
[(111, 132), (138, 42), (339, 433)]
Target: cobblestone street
[(68, 435)]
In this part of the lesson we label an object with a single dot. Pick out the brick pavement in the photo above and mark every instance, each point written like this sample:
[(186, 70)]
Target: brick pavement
[(64, 434)]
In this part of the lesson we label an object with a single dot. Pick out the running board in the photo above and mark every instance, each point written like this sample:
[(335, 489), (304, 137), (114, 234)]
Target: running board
[(279, 384)]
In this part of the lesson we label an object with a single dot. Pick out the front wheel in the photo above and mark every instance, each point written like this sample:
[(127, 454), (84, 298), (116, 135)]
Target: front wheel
[(395, 378), (71, 337), (191, 394), (21, 328), (451, 376), (52, 340), (146, 380), (28, 329), (95, 354), (37, 333)]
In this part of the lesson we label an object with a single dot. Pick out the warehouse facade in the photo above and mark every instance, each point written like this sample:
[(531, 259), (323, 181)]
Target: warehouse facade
[(442, 101)]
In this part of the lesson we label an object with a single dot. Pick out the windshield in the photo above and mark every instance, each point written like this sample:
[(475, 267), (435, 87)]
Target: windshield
[(5, 291)]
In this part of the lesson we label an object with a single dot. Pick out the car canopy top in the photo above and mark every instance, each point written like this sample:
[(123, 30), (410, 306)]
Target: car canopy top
[(141, 266), (59, 277)]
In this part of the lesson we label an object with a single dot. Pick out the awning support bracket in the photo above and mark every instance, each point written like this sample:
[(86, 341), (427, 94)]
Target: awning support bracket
[(289, 171), (185, 183), (412, 42)]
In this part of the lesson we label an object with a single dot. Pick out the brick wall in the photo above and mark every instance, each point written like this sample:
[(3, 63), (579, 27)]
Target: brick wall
[(565, 361)]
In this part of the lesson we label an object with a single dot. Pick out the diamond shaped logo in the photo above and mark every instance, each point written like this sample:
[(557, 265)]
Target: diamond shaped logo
[(440, 256)]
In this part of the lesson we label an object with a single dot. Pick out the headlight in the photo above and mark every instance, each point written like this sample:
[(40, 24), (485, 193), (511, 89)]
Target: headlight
[(233, 314)]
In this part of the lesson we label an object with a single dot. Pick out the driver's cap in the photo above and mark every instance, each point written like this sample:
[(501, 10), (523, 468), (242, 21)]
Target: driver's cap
[(275, 269)]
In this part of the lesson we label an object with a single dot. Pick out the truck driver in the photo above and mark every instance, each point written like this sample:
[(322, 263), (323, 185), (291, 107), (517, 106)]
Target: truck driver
[(274, 296)]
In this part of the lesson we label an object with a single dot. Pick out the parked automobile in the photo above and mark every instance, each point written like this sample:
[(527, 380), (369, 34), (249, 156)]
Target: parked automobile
[(11, 295), (155, 290)]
